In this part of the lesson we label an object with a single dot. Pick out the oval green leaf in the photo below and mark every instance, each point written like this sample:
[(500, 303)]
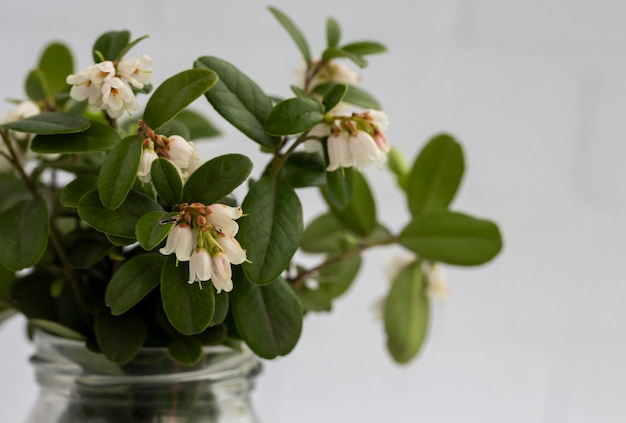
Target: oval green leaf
[(133, 281), (239, 100), (294, 116), (189, 307), (57, 63), (153, 227), (354, 95), (74, 191), (24, 231), (268, 318), (406, 314), (217, 178), (50, 123), (436, 175), (167, 180), (453, 238), (186, 350), (294, 32), (333, 32), (119, 337), (109, 45), (176, 93), (98, 137), (359, 215), (119, 172), (271, 233)]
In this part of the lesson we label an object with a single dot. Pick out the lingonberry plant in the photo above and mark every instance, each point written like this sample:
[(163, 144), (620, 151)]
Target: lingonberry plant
[(114, 232)]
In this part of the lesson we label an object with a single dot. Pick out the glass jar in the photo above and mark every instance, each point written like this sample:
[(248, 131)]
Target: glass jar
[(80, 386)]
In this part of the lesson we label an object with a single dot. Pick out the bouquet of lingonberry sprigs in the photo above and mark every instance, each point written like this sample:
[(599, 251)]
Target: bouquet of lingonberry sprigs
[(114, 232)]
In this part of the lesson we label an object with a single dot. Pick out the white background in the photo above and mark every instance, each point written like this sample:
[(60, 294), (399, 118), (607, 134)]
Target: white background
[(535, 90)]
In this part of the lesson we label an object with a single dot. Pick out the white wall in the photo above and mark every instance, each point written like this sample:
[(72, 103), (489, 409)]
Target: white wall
[(536, 90)]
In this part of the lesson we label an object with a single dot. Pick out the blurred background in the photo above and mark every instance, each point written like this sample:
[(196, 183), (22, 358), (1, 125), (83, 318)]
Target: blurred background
[(536, 92)]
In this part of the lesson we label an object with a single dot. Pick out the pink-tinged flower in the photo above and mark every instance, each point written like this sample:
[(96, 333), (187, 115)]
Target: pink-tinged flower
[(181, 241), (364, 150), (136, 71), (222, 273), (223, 217), (180, 151), (117, 97), (338, 151), (378, 118), (232, 249), (200, 266), (381, 141), (147, 157)]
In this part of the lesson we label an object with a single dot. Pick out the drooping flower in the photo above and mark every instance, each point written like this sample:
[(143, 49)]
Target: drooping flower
[(180, 151), (223, 217), (136, 71), (222, 273), (232, 248), (147, 157), (200, 266), (181, 241), (117, 97), (338, 151), (364, 150)]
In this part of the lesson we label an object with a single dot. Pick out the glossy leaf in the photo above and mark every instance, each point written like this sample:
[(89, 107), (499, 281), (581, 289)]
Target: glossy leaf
[(57, 329), (359, 214), (75, 189), (406, 314), (98, 137), (120, 222), (268, 318), (239, 100), (167, 180), (119, 172), (217, 178), (326, 234), (24, 231), (175, 94), (109, 45), (339, 187), (153, 227), (56, 62), (189, 307), (133, 281), (120, 337), (36, 85), (399, 167), (435, 176), (453, 238), (271, 233), (333, 32), (186, 350), (197, 125), (294, 116), (301, 170), (50, 123), (221, 308), (334, 96), (86, 248), (354, 95), (364, 48), (334, 53), (294, 32), (333, 281)]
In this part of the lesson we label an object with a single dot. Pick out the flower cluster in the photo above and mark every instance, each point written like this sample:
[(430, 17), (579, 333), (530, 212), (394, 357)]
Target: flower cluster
[(107, 85), (24, 110), (180, 152), (205, 237), (356, 140)]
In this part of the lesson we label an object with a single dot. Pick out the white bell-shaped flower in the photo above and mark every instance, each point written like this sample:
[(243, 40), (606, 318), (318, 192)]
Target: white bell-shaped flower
[(364, 150), (222, 273), (180, 151), (338, 151), (223, 217), (147, 157), (181, 241), (232, 249), (200, 266), (117, 97)]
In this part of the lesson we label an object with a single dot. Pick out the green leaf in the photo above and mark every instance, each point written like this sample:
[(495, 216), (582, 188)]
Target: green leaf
[(301, 170), (271, 233), (217, 178), (268, 318), (120, 337), (186, 350), (406, 314), (176, 93), (119, 171), (295, 34), (57, 63), (189, 307), (120, 241), (109, 45), (24, 231), (294, 116), (129, 46), (399, 167), (167, 180), (435, 176), (153, 227), (326, 234), (453, 238), (74, 190), (197, 125), (333, 32), (33, 294), (120, 222), (334, 96), (50, 123), (86, 248), (354, 95), (98, 137), (221, 308), (36, 85), (333, 53), (339, 187), (57, 329), (239, 100), (133, 281), (12, 191), (359, 214), (364, 48)]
